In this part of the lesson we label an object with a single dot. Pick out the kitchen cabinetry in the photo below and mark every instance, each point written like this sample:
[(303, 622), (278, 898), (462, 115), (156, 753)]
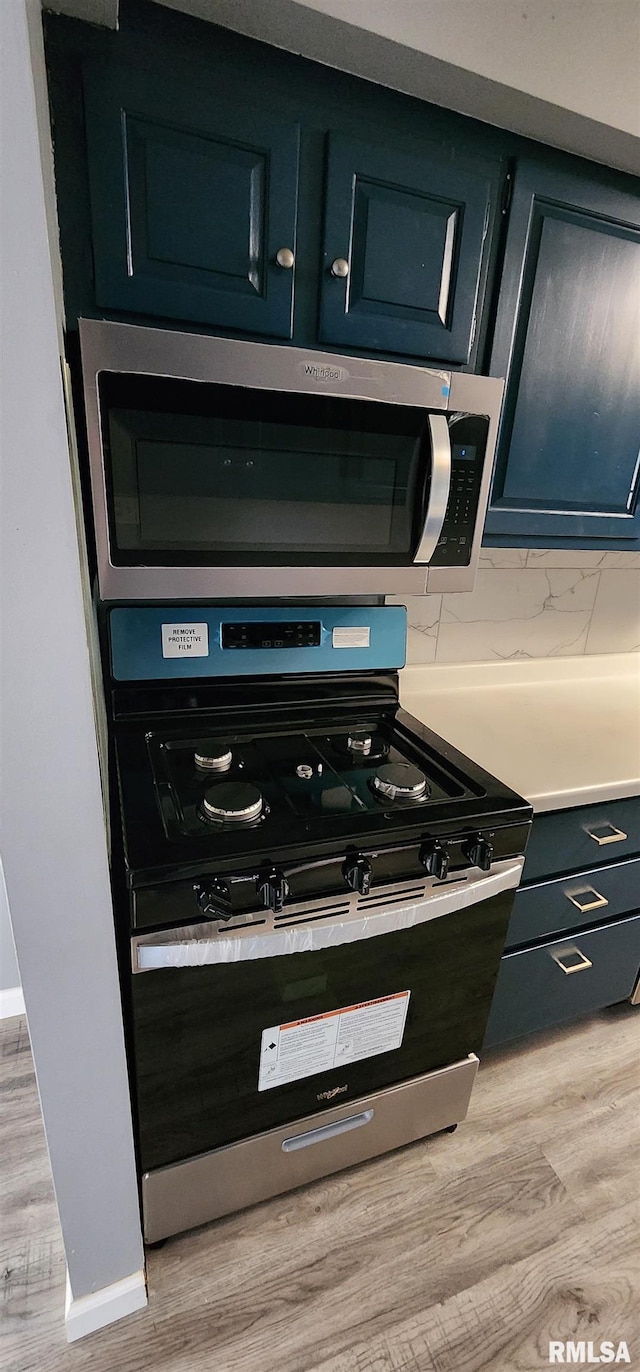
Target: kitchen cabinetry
[(402, 251), (573, 944), (567, 339), (212, 180), (194, 206), (208, 179), (193, 201)]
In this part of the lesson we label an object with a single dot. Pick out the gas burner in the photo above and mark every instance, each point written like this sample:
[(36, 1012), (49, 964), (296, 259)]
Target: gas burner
[(216, 758), (360, 743), (365, 743), (400, 781), (232, 802)]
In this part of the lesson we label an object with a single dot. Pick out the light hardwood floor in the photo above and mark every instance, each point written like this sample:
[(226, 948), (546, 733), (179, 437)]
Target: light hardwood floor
[(463, 1252)]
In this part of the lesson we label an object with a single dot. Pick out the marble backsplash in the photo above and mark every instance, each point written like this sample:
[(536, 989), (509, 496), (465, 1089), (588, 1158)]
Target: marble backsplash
[(531, 603)]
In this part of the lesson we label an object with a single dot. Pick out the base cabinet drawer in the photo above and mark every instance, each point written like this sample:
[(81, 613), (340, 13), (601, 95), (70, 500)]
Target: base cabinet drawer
[(586, 837), (552, 907), (565, 978)]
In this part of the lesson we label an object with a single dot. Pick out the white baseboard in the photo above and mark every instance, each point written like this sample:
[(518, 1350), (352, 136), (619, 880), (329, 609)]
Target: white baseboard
[(11, 1002), (110, 1303)]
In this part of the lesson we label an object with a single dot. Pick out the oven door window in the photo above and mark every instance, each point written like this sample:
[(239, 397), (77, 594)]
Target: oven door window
[(215, 475)]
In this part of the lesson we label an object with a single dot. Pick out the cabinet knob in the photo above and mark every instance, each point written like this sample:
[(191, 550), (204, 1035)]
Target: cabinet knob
[(285, 258), (565, 958), (581, 899), (340, 267), (606, 832)]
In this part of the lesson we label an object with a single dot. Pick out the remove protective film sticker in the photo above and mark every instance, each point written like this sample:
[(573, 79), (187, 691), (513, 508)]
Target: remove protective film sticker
[(304, 1047), (185, 640)]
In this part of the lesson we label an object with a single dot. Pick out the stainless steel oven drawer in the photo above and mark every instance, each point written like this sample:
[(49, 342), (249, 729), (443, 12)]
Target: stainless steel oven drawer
[(571, 902), (241, 1174), (566, 840), (565, 978)]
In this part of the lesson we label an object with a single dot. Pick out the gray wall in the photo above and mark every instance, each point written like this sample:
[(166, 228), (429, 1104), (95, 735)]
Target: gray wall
[(582, 57), (9, 974), (563, 73), (52, 831)]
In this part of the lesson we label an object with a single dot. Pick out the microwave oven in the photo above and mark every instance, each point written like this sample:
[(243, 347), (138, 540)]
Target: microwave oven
[(225, 469)]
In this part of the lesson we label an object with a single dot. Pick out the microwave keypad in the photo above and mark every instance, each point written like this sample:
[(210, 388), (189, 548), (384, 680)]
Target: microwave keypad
[(461, 500), (454, 544)]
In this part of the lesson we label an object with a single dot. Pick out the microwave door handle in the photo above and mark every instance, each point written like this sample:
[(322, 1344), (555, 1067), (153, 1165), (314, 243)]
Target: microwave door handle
[(439, 487)]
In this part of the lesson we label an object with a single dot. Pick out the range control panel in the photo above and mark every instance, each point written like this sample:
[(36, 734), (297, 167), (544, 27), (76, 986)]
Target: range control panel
[(468, 446), (166, 642)]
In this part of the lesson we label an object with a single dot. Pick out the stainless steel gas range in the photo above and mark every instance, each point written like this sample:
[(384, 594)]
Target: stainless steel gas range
[(315, 890)]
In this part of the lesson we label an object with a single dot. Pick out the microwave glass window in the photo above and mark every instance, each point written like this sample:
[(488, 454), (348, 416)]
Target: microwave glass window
[(225, 473)]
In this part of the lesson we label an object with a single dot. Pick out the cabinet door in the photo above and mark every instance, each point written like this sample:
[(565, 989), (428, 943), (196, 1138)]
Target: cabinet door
[(553, 907), (191, 199), (560, 980), (576, 840), (568, 340), (411, 229)]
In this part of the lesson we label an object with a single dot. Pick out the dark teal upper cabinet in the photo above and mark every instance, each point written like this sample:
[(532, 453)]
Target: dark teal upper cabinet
[(568, 340), (403, 247), (191, 201)]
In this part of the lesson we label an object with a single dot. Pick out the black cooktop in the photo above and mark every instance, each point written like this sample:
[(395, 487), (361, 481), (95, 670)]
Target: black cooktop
[(219, 784), (214, 785)]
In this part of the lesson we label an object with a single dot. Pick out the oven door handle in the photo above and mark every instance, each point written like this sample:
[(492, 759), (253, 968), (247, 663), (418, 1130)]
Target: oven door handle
[(438, 489), (197, 946)]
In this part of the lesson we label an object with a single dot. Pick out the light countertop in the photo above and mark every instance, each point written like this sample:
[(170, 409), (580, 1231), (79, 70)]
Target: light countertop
[(560, 731)]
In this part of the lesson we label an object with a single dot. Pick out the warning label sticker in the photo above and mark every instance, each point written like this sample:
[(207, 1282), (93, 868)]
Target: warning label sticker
[(305, 1047), (351, 636)]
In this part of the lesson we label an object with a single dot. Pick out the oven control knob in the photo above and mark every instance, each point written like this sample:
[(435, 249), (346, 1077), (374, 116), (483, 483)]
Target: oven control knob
[(479, 852), (435, 858), (357, 872), (272, 888), (214, 900)]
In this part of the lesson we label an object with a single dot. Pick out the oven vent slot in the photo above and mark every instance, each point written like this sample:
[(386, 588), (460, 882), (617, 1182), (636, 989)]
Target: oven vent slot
[(293, 916), (303, 919), (405, 897), (249, 924)]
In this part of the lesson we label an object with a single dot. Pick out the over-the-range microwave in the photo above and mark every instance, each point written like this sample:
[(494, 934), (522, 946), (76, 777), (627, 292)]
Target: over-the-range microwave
[(222, 468)]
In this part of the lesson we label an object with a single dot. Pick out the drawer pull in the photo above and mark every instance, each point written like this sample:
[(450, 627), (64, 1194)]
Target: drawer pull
[(605, 833), (326, 1131), (560, 955), (577, 899)]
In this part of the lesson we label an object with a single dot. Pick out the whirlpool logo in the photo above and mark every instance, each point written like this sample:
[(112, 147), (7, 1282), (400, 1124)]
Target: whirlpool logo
[(335, 1091), (319, 371)]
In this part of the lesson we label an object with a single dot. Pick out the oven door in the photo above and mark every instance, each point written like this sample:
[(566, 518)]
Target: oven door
[(234, 1036), (222, 468)]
